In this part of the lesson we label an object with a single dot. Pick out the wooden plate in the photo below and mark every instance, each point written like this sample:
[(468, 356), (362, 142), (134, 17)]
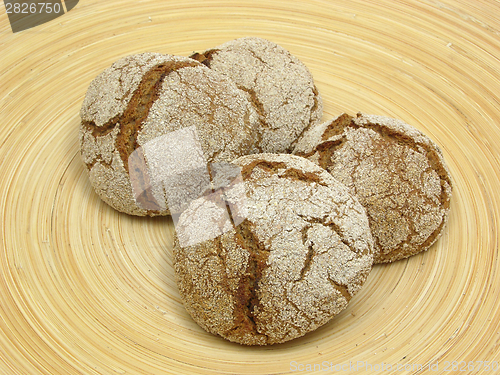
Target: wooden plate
[(87, 290)]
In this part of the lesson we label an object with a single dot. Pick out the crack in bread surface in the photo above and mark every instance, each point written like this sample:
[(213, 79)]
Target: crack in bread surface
[(309, 257), (205, 58), (342, 289), (271, 167), (247, 295), (101, 131), (288, 172), (99, 160), (259, 108), (138, 108), (312, 118), (328, 223)]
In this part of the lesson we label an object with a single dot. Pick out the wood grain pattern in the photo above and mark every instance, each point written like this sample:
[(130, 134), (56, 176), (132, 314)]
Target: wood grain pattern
[(87, 290)]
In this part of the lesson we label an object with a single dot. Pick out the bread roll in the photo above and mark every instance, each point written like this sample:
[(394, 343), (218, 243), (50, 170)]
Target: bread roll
[(134, 135), (278, 84), (397, 173), (299, 252)]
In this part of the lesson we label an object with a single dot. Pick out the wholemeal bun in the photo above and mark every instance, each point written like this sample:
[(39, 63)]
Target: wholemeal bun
[(277, 83), (294, 249), (397, 173), (145, 114)]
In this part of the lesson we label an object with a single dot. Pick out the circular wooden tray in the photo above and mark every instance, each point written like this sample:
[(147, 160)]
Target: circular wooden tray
[(87, 290)]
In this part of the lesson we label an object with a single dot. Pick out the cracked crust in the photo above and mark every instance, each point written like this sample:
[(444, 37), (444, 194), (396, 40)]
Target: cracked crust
[(398, 174), (144, 96), (278, 84), (302, 252)]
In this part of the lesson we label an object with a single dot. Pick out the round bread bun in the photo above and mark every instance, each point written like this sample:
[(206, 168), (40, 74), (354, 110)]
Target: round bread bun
[(397, 173), (147, 113), (293, 251), (277, 83)]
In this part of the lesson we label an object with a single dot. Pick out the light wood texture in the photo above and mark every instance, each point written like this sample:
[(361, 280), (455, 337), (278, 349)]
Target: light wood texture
[(87, 290)]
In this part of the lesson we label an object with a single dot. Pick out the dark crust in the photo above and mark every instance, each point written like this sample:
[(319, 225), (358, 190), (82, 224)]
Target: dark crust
[(271, 167), (292, 173), (100, 131), (323, 221), (297, 174), (98, 160), (259, 108), (205, 58), (247, 301), (309, 255), (132, 119), (327, 148), (342, 289), (337, 127)]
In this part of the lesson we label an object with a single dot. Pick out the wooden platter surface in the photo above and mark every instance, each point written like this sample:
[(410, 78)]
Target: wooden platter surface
[(87, 290)]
